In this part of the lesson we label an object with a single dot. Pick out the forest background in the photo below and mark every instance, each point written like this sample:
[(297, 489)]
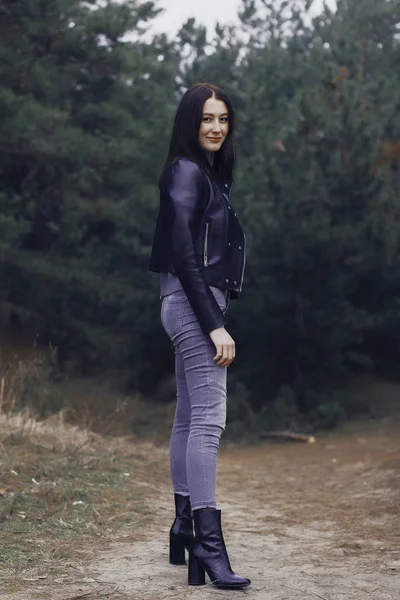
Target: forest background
[(87, 98)]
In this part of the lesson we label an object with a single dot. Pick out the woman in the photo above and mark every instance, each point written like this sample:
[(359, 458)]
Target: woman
[(199, 250)]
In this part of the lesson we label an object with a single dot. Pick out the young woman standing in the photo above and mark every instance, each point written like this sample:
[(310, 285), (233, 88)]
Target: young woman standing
[(199, 251)]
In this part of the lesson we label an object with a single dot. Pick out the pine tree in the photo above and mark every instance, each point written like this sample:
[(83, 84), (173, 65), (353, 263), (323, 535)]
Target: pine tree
[(82, 95)]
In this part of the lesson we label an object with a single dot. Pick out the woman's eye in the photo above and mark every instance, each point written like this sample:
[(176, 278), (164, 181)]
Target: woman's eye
[(222, 119)]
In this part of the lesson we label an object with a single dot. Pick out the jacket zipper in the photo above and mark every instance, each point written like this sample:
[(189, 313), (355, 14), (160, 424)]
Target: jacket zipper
[(244, 246), (244, 261), (206, 245)]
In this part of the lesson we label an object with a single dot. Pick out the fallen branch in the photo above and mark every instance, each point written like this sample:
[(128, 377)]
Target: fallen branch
[(118, 516), (288, 436)]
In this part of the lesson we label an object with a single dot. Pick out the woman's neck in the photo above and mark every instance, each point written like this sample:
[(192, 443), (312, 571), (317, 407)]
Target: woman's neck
[(210, 156)]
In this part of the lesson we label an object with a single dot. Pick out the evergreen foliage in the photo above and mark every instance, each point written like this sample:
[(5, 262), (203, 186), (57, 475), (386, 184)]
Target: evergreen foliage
[(78, 164), (87, 96)]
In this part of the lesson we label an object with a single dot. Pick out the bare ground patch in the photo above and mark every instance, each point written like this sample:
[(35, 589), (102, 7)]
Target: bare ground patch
[(302, 521)]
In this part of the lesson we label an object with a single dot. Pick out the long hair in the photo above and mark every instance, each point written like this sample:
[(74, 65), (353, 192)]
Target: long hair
[(185, 133)]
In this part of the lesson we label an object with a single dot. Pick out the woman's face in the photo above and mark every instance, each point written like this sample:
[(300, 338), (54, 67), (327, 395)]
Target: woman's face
[(214, 125)]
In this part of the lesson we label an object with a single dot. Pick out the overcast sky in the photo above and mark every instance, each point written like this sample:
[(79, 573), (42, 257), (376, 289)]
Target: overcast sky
[(207, 12)]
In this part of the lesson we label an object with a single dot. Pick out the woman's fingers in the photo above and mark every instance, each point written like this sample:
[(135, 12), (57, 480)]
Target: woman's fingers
[(226, 355), (219, 354), (220, 360), (224, 345), (219, 357)]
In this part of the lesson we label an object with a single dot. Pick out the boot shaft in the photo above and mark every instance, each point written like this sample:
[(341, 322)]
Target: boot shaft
[(209, 554), (207, 523), (183, 508)]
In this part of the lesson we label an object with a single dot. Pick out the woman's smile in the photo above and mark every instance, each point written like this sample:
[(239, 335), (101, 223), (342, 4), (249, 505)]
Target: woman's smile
[(214, 126)]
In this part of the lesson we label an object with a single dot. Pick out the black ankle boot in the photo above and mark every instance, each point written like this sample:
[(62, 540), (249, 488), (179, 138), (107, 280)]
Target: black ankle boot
[(181, 534), (208, 553)]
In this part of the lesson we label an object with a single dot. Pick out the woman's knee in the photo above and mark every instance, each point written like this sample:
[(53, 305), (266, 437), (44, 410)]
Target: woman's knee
[(209, 422)]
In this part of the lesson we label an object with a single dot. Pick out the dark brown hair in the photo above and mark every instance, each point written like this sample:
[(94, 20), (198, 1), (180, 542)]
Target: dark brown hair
[(185, 133)]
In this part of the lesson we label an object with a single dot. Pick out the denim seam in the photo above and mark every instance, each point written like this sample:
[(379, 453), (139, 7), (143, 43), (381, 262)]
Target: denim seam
[(206, 501), (176, 491), (198, 505), (180, 319), (185, 493), (205, 479), (162, 313)]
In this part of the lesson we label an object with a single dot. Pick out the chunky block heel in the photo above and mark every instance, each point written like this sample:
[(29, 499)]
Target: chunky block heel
[(176, 552), (196, 573), (208, 553)]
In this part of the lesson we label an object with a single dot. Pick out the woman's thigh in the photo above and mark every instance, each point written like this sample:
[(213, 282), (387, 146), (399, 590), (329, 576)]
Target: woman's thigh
[(172, 311), (206, 381), (176, 313)]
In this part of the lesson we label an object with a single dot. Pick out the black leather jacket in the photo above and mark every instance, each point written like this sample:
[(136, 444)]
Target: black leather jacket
[(199, 238)]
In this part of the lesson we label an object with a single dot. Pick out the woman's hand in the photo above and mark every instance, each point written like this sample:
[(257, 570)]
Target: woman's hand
[(224, 345)]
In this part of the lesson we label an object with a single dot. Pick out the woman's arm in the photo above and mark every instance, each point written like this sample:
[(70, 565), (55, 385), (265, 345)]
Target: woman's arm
[(185, 186)]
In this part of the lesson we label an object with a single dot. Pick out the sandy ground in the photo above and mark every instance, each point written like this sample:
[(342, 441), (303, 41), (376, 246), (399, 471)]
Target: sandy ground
[(303, 521)]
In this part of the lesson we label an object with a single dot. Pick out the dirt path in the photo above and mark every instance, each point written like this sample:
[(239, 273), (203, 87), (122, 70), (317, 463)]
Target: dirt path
[(302, 521), (309, 521)]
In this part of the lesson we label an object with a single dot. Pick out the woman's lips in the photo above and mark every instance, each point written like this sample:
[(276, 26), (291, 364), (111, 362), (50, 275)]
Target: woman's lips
[(214, 139)]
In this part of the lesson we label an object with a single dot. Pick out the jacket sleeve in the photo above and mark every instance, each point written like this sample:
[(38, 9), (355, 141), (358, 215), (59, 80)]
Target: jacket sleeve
[(185, 187)]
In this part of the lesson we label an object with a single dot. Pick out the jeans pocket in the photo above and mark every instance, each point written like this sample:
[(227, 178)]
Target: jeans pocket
[(172, 312), (220, 297), (162, 312)]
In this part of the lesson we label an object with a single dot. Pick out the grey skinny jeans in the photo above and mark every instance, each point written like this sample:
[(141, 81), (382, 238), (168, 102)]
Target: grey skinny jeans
[(200, 414)]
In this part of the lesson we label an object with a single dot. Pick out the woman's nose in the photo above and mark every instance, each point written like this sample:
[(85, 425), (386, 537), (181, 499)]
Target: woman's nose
[(217, 126)]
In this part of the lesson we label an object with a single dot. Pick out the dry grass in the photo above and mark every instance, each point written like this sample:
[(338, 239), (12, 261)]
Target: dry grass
[(65, 491), (14, 381), (100, 403), (66, 488)]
